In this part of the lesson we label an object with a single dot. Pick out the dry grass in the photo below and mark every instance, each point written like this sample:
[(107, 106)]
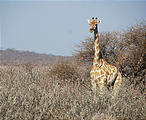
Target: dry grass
[(28, 92)]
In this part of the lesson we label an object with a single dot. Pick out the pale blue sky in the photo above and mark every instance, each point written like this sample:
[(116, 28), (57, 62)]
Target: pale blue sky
[(56, 27)]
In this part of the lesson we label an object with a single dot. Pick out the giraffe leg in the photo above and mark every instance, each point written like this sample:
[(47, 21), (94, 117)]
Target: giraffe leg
[(117, 84), (93, 83), (102, 85)]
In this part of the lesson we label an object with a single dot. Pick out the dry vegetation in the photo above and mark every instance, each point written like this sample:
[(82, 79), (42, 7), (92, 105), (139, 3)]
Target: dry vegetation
[(63, 91), (27, 92)]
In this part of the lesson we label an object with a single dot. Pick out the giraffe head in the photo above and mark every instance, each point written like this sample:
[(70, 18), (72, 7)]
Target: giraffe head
[(93, 24)]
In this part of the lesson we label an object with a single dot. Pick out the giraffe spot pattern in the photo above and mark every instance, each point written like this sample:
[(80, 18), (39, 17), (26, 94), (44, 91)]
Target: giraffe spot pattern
[(102, 72)]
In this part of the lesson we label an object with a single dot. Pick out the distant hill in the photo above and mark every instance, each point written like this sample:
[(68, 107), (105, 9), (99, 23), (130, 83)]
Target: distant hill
[(15, 56)]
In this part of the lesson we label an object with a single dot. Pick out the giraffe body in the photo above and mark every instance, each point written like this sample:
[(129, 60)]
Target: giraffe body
[(102, 73), (105, 75)]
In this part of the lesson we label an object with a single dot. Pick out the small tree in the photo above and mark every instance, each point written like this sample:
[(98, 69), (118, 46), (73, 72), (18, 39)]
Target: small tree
[(85, 51), (133, 50), (108, 42), (132, 58)]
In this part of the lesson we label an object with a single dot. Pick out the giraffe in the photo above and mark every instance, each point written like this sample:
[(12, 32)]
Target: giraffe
[(102, 73)]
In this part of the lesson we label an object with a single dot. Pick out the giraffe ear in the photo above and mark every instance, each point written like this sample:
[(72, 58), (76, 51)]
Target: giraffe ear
[(89, 21), (100, 21)]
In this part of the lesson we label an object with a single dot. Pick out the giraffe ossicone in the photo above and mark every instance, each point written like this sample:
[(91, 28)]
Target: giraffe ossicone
[(102, 73)]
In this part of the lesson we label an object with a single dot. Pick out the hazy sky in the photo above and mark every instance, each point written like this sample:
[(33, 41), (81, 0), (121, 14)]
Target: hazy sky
[(57, 26)]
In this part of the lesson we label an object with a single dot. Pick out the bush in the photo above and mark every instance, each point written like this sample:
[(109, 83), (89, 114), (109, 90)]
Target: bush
[(108, 42), (65, 71), (45, 98)]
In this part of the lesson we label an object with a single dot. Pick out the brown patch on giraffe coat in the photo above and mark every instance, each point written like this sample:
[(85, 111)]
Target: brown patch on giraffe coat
[(97, 66), (104, 69), (110, 66), (101, 62), (114, 69), (105, 63), (102, 72), (97, 42), (97, 74), (109, 69), (111, 74), (107, 72), (99, 80), (97, 55), (97, 47)]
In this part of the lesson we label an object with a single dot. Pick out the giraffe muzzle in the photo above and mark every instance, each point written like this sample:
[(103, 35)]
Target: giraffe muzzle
[(91, 30)]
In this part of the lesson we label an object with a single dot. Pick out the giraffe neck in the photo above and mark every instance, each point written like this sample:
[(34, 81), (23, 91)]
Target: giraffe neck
[(97, 49)]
